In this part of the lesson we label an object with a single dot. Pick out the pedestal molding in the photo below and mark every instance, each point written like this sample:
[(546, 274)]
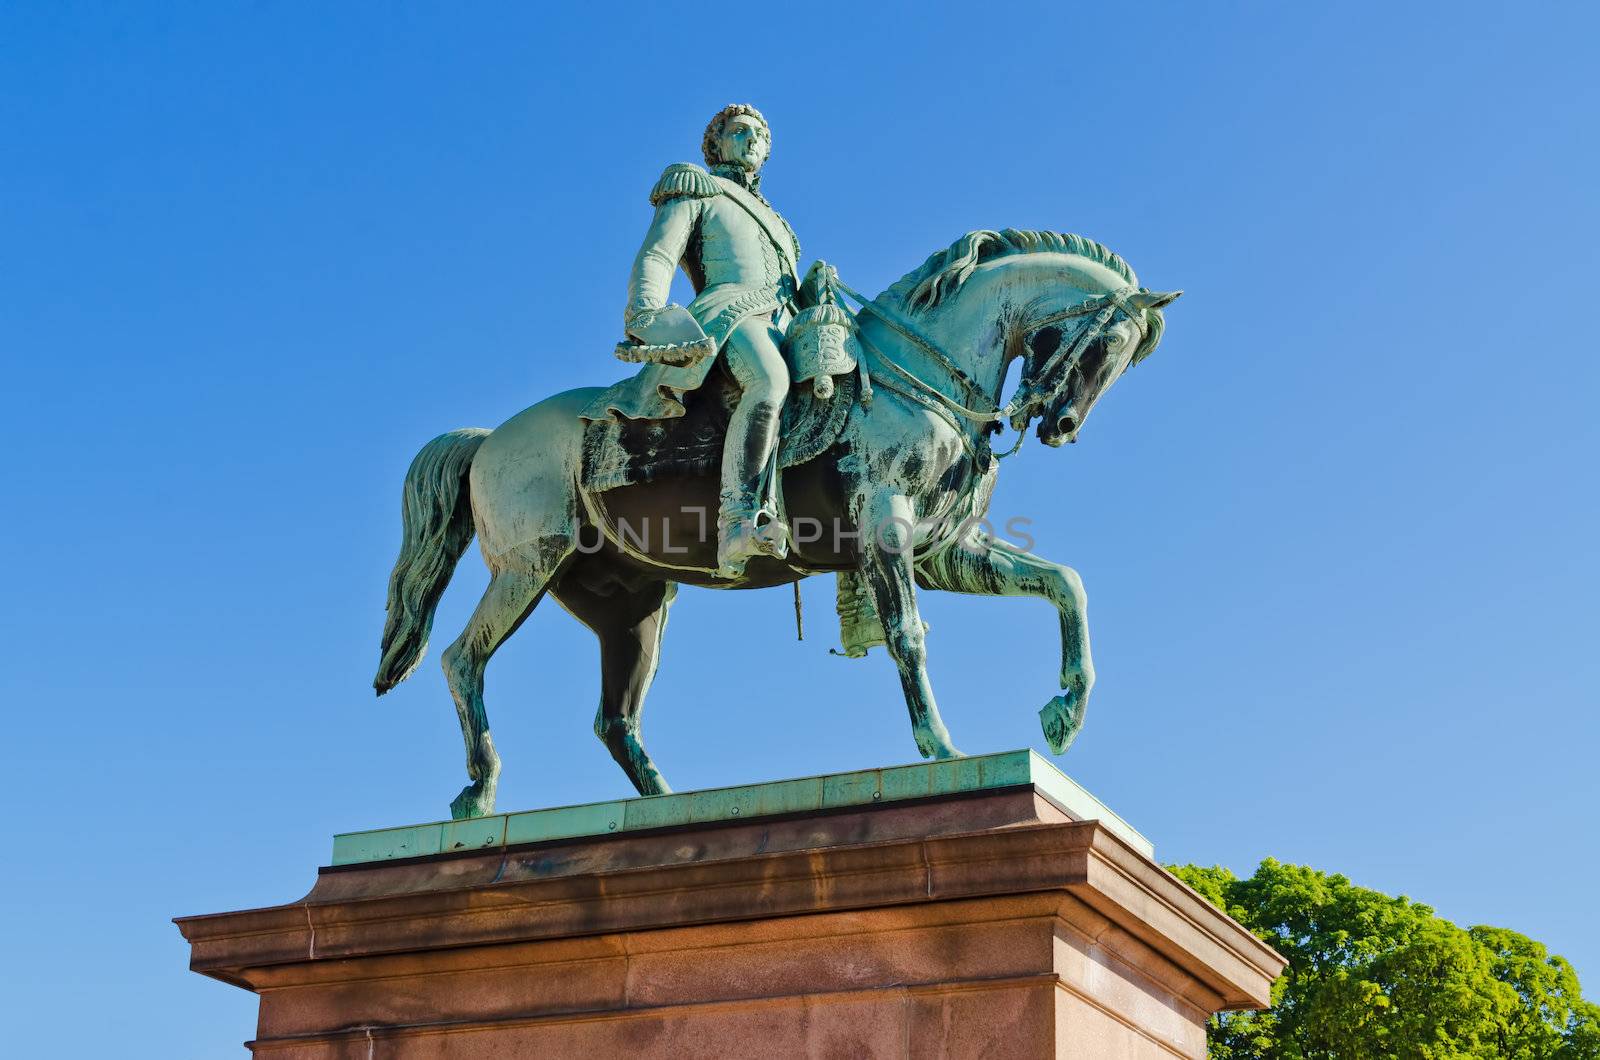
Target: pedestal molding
[(878, 928)]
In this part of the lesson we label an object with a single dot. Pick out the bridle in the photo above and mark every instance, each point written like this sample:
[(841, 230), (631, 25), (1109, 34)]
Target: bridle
[(1027, 402)]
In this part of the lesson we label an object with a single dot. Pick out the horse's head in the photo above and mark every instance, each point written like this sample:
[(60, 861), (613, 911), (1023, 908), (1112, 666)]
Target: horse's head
[(1068, 306), (1068, 368)]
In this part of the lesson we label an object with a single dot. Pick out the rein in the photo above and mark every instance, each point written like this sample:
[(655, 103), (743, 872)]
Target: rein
[(1024, 402)]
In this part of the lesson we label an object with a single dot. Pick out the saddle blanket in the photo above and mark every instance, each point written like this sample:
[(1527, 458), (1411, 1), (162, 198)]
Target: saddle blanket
[(628, 452)]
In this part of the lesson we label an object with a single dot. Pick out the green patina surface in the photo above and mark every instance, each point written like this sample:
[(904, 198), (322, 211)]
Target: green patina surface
[(807, 795), (907, 475)]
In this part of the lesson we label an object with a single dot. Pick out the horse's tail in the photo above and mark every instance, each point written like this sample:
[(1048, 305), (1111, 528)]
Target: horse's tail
[(436, 521)]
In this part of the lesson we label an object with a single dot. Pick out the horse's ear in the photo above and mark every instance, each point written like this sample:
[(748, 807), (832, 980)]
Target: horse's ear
[(1154, 299)]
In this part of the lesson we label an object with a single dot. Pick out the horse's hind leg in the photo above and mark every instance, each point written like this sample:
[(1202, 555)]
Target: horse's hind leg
[(988, 566), (511, 596), (629, 625)]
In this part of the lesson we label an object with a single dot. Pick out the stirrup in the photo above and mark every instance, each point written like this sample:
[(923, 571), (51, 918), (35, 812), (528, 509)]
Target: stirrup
[(743, 536)]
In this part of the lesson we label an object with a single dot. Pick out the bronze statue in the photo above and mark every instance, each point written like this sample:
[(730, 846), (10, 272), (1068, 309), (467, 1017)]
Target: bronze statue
[(880, 422)]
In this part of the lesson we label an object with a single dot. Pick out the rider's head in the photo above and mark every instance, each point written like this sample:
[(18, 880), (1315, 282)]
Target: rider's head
[(737, 136)]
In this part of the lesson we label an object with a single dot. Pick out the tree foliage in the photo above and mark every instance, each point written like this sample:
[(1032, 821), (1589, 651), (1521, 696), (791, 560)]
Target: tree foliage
[(1372, 977)]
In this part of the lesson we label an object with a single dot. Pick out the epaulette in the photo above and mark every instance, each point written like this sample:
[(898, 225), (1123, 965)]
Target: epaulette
[(683, 179)]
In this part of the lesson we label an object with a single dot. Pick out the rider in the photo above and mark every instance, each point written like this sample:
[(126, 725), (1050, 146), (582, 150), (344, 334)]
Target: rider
[(741, 258)]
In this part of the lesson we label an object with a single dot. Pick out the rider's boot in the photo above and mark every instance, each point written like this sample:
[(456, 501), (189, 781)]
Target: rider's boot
[(748, 523), (747, 529)]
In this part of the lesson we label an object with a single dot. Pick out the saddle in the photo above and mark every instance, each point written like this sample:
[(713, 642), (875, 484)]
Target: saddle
[(627, 452)]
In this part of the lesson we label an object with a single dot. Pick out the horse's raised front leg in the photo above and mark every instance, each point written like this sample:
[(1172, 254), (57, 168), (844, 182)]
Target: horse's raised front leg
[(629, 626), (987, 566), (887, 523), (509, 599)]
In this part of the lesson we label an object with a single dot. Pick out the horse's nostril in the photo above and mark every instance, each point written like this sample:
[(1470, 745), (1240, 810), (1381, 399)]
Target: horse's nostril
[(1067, 425)]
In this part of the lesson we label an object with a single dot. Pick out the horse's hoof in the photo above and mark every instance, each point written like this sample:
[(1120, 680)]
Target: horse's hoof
[(472, 802), (1061, 718), (654, 786), (936, 747)]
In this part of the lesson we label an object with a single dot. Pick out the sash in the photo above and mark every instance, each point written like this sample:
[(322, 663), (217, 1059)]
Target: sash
[(764, 217)]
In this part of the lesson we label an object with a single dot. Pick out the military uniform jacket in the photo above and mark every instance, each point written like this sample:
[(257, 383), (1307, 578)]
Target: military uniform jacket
[(738, 253)]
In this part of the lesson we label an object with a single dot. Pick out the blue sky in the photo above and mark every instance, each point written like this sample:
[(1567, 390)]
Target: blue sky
[(1338, 533)]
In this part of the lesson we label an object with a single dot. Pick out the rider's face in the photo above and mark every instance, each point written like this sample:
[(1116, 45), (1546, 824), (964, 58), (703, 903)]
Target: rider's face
[(744, 142)]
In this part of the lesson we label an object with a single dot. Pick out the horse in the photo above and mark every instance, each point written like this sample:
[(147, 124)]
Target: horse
[(904, 488)]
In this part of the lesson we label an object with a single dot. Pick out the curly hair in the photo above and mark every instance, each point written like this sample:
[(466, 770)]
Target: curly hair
[(708, 142)]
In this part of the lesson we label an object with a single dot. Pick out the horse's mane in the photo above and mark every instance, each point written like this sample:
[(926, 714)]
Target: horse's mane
[(946, 270)]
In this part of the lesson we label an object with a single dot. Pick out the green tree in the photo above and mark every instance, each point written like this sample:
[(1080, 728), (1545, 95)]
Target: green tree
[(1372, 977)]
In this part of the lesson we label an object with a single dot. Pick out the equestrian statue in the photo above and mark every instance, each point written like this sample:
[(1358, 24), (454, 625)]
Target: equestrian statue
[(771, 433)]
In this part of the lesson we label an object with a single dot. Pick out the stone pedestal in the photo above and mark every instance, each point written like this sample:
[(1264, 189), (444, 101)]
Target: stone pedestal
[(895, 913)]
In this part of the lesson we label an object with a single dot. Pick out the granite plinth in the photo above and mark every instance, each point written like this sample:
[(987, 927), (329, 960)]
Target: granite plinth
[(980, 922)]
